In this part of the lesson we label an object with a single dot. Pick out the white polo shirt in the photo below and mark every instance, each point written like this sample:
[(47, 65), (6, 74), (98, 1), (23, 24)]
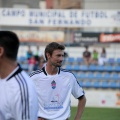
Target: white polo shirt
[(18, 98), (54, 93)]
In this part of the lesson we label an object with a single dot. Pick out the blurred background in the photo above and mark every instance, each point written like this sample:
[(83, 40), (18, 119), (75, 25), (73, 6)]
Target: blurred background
[(97, 29)]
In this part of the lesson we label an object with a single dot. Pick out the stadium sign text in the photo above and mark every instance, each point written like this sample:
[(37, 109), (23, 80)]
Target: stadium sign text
[(59, 18)]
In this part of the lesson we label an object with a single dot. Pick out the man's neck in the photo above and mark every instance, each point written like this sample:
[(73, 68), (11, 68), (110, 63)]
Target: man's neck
[(51, 70), (7, 68)]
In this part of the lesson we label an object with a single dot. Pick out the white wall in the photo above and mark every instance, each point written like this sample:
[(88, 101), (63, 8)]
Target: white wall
[(100, 98)]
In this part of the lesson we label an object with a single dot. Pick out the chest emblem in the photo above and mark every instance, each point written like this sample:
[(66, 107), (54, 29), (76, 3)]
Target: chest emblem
[(53, 84)]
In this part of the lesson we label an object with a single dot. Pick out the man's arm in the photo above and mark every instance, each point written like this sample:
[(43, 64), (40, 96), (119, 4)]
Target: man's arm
[(80, 108)]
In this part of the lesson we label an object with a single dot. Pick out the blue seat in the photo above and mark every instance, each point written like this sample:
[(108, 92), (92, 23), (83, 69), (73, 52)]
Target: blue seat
[(81, 83), (90, 76), (82, 76), (109, 68), (92, 68), (87, 84), (96, 84), (70, 59), (84, 68), (98, 76), (118, 61), (111, 61), (76, 67), (114, 85), (117, 68), (107, 76), (105, 85), (69, 67), (115, 76), (79, 60), (100, 68)]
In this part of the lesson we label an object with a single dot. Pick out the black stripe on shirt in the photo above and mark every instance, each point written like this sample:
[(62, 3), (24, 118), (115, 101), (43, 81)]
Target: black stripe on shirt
[(18, 71), (24, 96), (21, 95), (35, 72), (64, 70), (27, 95), (44, 71)]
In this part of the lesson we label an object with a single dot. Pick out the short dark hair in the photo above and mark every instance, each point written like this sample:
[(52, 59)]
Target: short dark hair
[(10, 42), (53, 46)]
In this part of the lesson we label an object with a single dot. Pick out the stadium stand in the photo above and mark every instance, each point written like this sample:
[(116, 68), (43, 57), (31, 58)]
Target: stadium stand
[(98, 76)]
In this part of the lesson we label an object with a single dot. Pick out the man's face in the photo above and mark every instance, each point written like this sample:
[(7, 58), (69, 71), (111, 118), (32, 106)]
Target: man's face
[(56, 58)]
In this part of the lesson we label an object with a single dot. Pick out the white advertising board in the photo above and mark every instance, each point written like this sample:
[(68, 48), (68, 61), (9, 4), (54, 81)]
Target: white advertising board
[(59, 18)]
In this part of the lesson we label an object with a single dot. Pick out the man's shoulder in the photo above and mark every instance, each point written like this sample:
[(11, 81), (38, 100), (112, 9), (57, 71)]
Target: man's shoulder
[(65, 72), (36, 73)]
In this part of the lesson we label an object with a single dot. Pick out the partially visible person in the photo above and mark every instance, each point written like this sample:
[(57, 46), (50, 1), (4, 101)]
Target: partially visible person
[(95, 56), (103, 57), (42, 62), (29, 53), (37, 58), (31, 64), (66, 55), (37, 54), (87, 56), (55, 86), (18, 97)]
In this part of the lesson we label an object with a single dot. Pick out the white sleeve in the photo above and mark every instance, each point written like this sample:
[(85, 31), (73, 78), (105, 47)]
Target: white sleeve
[(24, 102), (16, 106), (77, 90)]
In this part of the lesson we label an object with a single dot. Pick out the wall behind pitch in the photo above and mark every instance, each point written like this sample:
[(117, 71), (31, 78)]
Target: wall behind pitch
[(100, 98)]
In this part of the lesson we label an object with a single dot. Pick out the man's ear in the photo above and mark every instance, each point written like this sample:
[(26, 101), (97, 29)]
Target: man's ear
[(1, 51), (47, 55)]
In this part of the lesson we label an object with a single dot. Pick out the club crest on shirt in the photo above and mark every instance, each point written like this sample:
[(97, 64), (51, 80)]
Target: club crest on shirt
[(53, 84)]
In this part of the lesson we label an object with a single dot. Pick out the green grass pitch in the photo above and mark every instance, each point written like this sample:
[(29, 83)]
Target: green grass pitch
[(98, 113)]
